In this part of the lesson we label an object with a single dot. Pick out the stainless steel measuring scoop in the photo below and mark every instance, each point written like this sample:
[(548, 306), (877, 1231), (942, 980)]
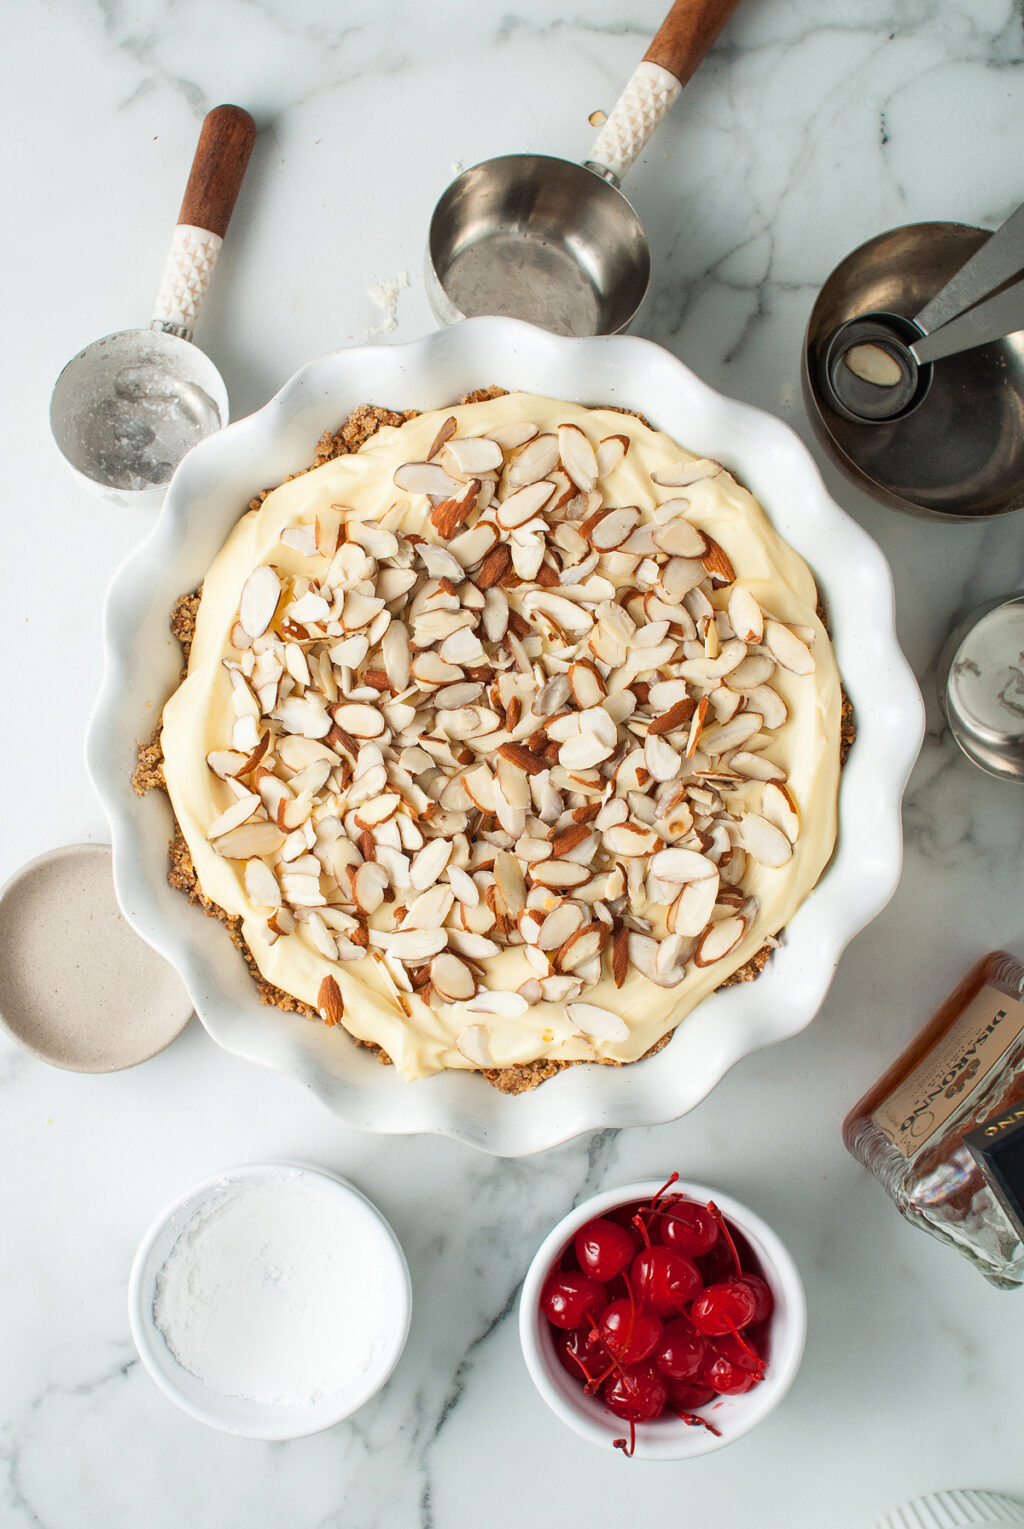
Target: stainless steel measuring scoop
[(879, 367), (537, 238), (127, 408)]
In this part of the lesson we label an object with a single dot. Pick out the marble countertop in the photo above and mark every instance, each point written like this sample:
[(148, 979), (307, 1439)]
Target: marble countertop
[(811, 127)]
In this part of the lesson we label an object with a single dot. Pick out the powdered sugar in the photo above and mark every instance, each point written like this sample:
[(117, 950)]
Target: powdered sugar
[(279, 1292), (383, 293)]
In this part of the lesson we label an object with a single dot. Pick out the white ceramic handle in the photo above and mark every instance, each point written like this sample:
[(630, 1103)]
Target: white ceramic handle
[(190, 262), (647, 98)]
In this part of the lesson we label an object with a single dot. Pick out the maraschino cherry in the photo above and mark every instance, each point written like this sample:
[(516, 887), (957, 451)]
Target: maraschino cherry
[(723, 1308), (569, 1298), (664, 1280), (603, 1249)]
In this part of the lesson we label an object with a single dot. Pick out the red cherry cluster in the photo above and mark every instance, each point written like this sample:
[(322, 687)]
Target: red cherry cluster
[(654, 1308)]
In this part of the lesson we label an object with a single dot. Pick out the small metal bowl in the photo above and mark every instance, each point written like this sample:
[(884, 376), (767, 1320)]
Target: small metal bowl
[(959, 453)]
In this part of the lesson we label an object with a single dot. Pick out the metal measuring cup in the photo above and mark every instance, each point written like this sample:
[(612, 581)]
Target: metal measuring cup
[(532, 237), (128, 407)]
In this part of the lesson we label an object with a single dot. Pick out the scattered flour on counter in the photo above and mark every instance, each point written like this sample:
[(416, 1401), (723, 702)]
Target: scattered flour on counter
[(277, 1293), (384, 295)]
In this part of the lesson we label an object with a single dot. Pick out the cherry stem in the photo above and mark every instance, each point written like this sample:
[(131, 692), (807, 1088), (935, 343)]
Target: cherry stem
[(583, 1371), (694, 1420), (627, 1449), (723, 1227), (672, 1179), (596, 1337), (746, 1347)]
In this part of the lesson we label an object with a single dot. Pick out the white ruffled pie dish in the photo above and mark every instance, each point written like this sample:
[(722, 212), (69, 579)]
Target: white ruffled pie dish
[(212, 489)]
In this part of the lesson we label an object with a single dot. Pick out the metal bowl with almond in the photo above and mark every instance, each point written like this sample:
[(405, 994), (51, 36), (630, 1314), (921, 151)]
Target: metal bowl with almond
[(212, 489)]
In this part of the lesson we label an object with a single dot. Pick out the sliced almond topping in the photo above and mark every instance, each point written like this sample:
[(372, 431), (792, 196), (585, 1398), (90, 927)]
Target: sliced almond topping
[(725, 736), (745, 615), (322, 938), (521, 506), (681, 474), (451, 978), (578, 457), (301, 539), (261, 886), (694, 906), (682, 865), (360, 721), (611, 453), (425, 478), (717, 564), (260, 595), (679, 538), (447, 516), (787, 649), (609, 529), (520, 756), (508, 1005), (447, 430), (330, 1002), (260, 838), (473, 455), (472, 1043), (494, 566), (677, 716), (369, 883), (378, 809), (226, 762), (778, 806), (239, 812), (414, 945), (561, 923), (596, 1023), (535, 461), (472, 739), (580, 947), (762, 839), (513, 434), (718, 940), (660, 758)]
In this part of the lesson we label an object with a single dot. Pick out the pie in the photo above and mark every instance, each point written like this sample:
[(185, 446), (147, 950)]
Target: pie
[(507, 738)]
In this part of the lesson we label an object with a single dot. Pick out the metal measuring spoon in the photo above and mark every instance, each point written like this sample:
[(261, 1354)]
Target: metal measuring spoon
[(127, 408), (959, 454), (532, 237), (878, 367)]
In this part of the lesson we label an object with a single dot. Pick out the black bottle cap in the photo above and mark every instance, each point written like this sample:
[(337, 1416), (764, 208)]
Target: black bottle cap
[(997, 1146)]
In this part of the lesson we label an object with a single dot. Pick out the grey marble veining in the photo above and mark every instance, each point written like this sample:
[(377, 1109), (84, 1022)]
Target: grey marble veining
[(811, 127)]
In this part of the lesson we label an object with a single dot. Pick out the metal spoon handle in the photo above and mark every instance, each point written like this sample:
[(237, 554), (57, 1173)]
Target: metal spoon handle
[(221, 156), (999, 258), (991, 320), (682, 40)]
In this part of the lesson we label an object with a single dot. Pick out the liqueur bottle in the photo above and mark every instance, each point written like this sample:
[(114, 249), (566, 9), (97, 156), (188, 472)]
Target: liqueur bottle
[(943, 1129)]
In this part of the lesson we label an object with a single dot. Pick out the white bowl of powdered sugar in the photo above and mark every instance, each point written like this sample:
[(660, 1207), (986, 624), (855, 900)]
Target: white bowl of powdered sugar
[(270, 1301)]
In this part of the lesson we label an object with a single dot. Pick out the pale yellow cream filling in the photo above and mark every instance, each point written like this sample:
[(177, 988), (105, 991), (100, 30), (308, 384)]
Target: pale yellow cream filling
[(197, 719)]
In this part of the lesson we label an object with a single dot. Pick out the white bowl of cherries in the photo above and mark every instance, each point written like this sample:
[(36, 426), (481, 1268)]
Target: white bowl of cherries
[(663, 1320)]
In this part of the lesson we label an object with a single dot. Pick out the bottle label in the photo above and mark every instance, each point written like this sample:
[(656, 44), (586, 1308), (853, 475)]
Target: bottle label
[(958, 1063)]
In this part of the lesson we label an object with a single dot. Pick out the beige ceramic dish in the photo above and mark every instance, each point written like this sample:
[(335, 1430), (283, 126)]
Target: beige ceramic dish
[(78, 988)]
